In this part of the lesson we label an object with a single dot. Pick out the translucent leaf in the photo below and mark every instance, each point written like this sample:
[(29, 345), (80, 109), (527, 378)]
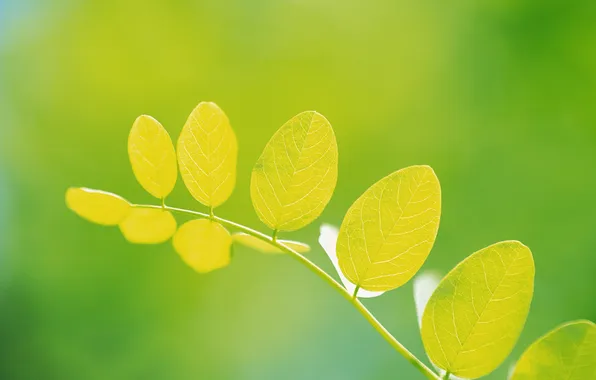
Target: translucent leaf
[(263, 246), (207, 152), (328, 240), (97, 206), (203, 244), (152, 156), (294, 178), (389, 231), (148, 226), (567, 352), (477, 312), (424, 285)]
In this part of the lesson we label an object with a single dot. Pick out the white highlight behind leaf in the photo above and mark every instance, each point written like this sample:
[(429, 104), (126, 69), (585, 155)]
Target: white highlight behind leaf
[(328, 240)]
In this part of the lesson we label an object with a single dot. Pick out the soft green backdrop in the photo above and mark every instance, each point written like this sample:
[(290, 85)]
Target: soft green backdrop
[(498, 96)]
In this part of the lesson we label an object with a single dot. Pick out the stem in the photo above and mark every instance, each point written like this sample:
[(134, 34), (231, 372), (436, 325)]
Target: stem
[(355, 294), (446, 376), (326, 277)]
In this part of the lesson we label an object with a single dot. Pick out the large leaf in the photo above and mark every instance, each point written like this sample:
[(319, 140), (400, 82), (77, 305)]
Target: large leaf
[(567, 352), (294, 178), (477, 312), (97, 206), (328, 240), (148, 226), (207, 152), (152, 156), (203, 244), (265, 247), (389, 231)]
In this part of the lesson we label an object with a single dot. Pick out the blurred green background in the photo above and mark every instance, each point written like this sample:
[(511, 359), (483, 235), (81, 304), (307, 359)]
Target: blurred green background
[(498, 96)]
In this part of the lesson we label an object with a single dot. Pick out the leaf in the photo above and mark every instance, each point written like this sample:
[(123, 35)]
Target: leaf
[(328, 240), (148, 226), (424, 286), (294, 178), (477, 312), (567, 352), (262, 246), (207, 152), (389, 231), (203, 244), (152, 156), (97, 206)]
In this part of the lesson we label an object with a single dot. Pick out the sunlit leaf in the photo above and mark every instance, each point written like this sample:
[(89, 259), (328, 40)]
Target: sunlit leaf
[(152, 156), (203, 244), (294, 178), (207, 152), (263, 246), (97, 206), (477, 312), (328, 240), (425, 284), (389, 231), (148, 226), (567, 352)]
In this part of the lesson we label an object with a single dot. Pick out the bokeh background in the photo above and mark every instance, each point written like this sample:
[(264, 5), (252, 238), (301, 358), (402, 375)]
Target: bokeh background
[(498, 96)]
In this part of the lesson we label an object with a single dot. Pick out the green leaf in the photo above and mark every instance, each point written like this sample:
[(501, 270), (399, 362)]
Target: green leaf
[(389, 231), (97, 206), (262, 246), (152, 156), (207, 152), (477, 312), (294, 178), (148, 226), (203, 244), (567, 352)]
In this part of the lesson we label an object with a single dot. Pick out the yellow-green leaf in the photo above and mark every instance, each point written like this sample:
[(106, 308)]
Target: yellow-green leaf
[(97, 206), (389, 231), (567, 352), (152, 156), (263, 246), (203, 244), (294, 178), (148, 226), (477, 312), (207, 152)]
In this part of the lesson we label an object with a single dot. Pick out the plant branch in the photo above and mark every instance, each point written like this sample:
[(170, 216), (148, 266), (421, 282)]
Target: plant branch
[(425, 370)]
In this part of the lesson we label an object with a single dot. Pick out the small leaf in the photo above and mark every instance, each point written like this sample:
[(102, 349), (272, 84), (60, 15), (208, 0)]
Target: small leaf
[(203, 244), (97, 206), (389, 231), (294, 178), (424, 286), (148, 226), (477, 312), (262, 246), (328, 240), (567, 352), (152, 156), (207, 152)]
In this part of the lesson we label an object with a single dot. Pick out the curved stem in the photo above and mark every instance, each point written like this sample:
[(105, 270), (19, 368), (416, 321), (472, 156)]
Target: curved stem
[(326, 277)]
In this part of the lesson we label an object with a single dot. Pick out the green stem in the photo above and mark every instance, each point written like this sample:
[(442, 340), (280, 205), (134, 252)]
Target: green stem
[(446, 376), (326, 277), (355, 294)]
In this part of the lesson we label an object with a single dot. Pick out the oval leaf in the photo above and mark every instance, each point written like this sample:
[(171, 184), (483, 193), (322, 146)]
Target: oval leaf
[(262, 246), (328, 240), (568, 352), (477, 312), (97, 206), (389, 231), (152, 156), (148, 226), (207, 152), (203, 244), (294, 178)]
